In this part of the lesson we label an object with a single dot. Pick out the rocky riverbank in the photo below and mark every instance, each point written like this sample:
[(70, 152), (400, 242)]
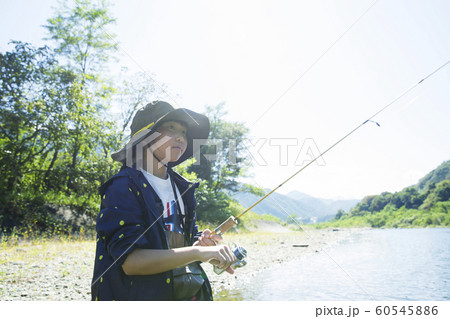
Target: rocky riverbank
[(266, 249), (52, 270), (57, 270)]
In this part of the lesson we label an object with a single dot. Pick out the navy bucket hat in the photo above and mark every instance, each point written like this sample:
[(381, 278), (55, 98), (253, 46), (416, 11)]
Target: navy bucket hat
[(147, 120)]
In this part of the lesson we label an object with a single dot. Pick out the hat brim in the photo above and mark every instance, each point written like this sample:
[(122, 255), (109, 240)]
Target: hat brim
[(197, 129)]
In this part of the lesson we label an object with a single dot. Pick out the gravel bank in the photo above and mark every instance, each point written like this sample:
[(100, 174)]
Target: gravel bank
[(63, 270), (47, 271)]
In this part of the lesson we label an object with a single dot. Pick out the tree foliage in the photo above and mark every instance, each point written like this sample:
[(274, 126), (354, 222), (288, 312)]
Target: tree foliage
[(57, 133), (134, 93), (226, 151), (81, 35), (220, 173), (441, 173), (410, 207), (33, 119), (55, 137)]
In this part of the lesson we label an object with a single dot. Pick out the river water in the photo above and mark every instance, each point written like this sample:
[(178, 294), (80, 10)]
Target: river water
[(384, 264)]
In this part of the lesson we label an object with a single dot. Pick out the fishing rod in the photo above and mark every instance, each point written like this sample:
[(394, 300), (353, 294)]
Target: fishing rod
[(233, 221)]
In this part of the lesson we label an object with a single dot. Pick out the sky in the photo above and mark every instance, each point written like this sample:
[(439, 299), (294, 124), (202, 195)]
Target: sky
[(300, 75)]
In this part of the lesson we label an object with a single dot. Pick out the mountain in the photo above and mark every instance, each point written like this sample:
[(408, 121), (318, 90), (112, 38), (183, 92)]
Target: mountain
[(425, 204), (322, 204), (306, 208), (442, 172)]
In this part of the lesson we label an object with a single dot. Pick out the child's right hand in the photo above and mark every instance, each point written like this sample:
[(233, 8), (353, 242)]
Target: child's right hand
[(220, 255), (206, 239)]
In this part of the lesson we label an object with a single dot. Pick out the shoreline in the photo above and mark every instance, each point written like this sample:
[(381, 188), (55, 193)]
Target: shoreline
[(269, 249), (63, 270)]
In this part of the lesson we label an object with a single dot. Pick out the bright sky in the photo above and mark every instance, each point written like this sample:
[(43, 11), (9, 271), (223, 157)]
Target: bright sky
[(249, 53)]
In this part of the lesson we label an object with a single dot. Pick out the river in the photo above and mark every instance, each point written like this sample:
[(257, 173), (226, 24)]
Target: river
[(382, 264)]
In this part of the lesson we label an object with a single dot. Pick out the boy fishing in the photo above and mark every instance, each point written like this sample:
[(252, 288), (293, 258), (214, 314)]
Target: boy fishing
[(148, 244)]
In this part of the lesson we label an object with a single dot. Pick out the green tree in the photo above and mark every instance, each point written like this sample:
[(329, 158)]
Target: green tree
[(362, 207), (443, 191), (442, 172), (80, 30), (55, 134), (339, 214), (380, 201), (135, 92), (220, 175), (227, 150), (438, 193), (83, 44), (32, 117), (410, 197)]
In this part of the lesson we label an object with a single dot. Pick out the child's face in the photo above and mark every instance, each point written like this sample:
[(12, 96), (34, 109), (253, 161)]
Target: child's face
[(172, 142)]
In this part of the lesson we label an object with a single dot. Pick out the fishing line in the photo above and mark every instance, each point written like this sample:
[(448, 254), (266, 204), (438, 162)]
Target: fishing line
[(232, 221), (324, 251), (161, 86), (317, 60), (140, 236)]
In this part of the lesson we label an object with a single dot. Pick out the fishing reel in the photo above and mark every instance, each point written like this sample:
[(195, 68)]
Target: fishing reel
[(240, 253)]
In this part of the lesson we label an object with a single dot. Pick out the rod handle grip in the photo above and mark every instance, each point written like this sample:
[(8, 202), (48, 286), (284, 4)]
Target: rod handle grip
[(229, 223)]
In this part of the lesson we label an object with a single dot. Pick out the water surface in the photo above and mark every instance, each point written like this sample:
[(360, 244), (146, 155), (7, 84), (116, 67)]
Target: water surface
[(384, 264)]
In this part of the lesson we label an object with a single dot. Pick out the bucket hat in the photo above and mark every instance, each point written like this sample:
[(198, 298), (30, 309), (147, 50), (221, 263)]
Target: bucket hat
[(147, 120)]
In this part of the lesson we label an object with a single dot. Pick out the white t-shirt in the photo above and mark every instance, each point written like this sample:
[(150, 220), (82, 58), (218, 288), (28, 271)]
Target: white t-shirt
[(164, 190)]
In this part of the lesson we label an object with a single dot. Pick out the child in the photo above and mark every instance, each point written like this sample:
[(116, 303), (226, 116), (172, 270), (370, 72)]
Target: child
[(148, 244)]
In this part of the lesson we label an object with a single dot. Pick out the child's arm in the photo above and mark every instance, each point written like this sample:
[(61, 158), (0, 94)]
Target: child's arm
[(154, 261)]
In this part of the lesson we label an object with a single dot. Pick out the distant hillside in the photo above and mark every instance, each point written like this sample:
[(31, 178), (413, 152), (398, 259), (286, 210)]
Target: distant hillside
[(321, 204), (306, 208), (425, 204), (441, 173)]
